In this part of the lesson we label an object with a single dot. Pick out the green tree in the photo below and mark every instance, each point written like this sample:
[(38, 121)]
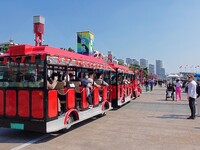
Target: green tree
[(145, 72), (120, 62), (134, 67), (4, 48), (71, 50)]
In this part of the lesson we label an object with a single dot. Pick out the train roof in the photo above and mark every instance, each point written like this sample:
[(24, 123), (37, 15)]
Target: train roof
[(121, 68), (79, 59)]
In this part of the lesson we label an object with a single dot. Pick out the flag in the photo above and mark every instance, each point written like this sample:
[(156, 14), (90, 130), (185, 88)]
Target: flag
[(180, 67)]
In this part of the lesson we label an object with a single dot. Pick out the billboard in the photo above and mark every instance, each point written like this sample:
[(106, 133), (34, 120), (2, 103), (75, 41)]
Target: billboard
[(85, 43)]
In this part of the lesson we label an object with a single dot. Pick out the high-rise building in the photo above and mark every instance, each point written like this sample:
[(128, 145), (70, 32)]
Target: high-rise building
[(135, 62), (162, 73), (129, 61), (159, 65), (143, 63), (151, 69)]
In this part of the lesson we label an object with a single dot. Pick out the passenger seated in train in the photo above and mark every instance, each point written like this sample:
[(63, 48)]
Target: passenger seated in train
[(61, 93), (113, 80), (119, 79), (71, 77), (66, 80), (125, 81), (60, 88), (84, 80), (76, 84), (27, 77), (51, 84), (90, 83), (40, 80), (100, 82), (19, 77), (52, 81), (129, 80), (80, 76)]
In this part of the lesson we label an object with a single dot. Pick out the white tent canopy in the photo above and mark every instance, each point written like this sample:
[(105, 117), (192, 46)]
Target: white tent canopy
[(173, 76)]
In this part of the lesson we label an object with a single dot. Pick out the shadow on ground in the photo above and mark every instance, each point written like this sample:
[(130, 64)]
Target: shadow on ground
[(170, 116), (19, 136), (175, 102), (197, 128)]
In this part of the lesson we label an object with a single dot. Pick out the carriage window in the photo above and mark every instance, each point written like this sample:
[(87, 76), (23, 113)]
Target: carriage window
[(13, 74)]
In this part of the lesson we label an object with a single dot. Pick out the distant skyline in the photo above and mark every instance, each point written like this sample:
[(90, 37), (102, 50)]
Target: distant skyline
[(152, 29)]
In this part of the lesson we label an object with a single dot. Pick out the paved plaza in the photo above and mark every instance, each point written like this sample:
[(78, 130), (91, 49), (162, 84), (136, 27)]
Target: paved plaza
[(147, 123)]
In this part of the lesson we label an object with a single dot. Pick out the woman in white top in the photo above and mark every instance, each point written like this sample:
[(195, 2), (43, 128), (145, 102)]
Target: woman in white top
[(178, 89)]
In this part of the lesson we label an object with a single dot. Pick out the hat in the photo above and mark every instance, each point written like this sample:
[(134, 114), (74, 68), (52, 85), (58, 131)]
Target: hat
[(71, 75)]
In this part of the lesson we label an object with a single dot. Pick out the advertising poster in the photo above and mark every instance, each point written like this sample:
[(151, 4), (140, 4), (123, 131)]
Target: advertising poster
[(85, 43)]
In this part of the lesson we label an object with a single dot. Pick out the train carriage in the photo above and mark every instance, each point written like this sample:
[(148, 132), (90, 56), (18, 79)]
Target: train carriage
[(26, 103), (137, 90), (121, 85)]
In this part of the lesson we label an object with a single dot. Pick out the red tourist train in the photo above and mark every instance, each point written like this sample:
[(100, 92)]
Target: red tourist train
[(123, 85), (26, 103)]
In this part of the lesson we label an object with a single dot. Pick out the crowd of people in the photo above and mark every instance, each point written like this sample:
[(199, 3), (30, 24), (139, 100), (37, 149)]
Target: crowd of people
[(175, 88), (59, 82)]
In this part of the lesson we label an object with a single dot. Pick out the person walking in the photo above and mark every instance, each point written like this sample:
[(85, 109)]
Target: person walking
[(178, 90), (151, 84), (192, 95), (198, 97), (146, 83)]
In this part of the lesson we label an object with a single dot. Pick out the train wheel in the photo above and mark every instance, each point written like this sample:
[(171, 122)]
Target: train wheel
[(69, 121), (103, 114)]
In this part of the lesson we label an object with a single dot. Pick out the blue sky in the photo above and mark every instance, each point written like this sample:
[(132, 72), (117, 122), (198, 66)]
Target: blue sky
[(168, 30)]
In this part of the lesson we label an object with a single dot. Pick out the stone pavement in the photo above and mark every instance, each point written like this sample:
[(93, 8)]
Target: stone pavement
[(147, 123), (163, 124)]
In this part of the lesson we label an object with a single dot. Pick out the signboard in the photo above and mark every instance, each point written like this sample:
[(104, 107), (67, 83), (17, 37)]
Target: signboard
[(85, 43)]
